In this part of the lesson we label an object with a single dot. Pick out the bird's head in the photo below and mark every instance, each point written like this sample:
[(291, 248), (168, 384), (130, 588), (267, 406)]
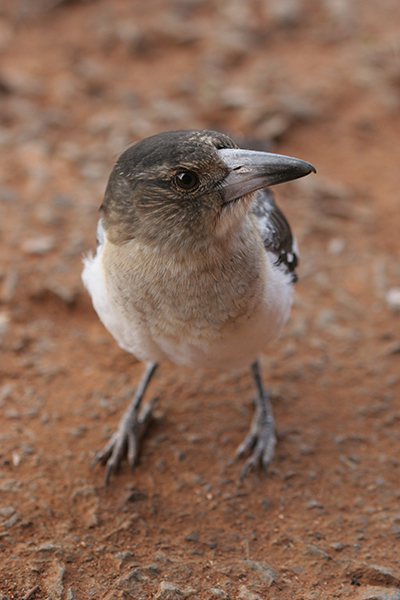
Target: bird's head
[(188, 186)]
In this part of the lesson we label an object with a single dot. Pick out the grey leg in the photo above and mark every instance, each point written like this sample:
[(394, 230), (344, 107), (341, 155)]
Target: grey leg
[(130, 430), (261, 439)]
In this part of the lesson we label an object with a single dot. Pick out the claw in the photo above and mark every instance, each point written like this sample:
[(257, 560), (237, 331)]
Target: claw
[(131, 428), (261, 439)]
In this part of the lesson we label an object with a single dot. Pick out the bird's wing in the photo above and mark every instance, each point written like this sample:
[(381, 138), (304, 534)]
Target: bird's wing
[(276, 232)]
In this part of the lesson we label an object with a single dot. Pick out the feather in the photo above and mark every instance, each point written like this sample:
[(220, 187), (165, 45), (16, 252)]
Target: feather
[(276, 233)]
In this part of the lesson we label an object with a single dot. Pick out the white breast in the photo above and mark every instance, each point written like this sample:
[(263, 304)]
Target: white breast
[(170, 333)]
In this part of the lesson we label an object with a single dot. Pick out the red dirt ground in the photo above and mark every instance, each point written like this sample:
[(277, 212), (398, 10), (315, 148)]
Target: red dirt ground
[(79, 82)]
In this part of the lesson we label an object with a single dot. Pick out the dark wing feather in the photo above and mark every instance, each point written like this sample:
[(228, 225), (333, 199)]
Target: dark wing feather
[(276, 232)]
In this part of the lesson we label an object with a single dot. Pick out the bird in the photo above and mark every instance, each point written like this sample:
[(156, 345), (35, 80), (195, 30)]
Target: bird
[(195, 265)]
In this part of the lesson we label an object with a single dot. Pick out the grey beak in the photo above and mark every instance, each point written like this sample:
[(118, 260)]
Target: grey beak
[(250, 171)]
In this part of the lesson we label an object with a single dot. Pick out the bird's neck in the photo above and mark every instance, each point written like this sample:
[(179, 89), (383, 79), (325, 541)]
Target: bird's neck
[(205, 250)]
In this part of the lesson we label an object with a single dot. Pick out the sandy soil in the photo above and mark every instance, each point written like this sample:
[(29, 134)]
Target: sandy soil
[(79, 82)]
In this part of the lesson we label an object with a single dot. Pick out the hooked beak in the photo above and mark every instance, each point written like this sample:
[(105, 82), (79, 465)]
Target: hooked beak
[(250, 171)]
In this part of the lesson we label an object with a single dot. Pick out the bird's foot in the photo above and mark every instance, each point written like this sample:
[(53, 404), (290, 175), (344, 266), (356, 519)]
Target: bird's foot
[(125, 441), (261, 439)]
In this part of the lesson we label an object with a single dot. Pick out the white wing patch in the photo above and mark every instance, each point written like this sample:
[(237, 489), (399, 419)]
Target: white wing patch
[(276, 233)]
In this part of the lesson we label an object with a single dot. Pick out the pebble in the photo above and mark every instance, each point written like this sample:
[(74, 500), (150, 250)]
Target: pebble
[(8, 194), (48, 547), (10, 485), (325, 318), (4, 323), (217, 592), (265, 572), (54, 581), (314, 504), (140, 574), (20, 82), (171, 591), (11, 521), (338, 546), (171, 29), (236, 97), (392, 298), (7, 290), (246, 594), (336, 246), (39, 245), (376, 574), (7, 511), (254, 571), (313, 550), (91, 518), (274, 127), (340, 12), (67, 295), (393, 348), (284, 13), (377, 593)]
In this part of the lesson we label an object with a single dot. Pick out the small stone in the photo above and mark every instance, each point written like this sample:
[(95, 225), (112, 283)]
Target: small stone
[(124, 556), (265, 504), (7, 291), (274, 126), (39, 245), (11, 521), (9, 485), (377, 593), (49, 547), (338, 546), (312, 550), (376, 575), (54, 581), (217, 592), (255, 571), (392, 298), (246, 594), (7, 194), (171, 591), (4, 323), (325, 318), (7, 511), (336, 246), (265, 572), (393, 348), (140, 574), (314, 504), (236, 97), (285, 13), (340, 13), (91, 518)]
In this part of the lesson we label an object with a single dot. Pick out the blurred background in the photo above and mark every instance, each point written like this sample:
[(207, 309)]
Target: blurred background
[(80, 81)]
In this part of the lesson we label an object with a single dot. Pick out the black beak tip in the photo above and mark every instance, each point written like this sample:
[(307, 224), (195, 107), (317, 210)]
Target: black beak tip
[(306, 168), (300, 168)]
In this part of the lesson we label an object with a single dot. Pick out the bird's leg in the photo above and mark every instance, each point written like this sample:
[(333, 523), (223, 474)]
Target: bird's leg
[(130, 430), (261, 439)]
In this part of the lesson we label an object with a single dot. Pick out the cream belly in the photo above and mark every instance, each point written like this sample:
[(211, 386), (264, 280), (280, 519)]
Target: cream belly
[(189, 323)]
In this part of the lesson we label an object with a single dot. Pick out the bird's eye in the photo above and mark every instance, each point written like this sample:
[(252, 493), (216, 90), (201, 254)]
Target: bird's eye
[(187, 180)]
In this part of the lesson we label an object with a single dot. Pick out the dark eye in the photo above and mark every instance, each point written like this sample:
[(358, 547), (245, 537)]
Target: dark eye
[(187, 180)]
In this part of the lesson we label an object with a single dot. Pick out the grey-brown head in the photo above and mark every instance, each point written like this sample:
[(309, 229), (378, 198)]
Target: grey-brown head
[(188, 185)]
